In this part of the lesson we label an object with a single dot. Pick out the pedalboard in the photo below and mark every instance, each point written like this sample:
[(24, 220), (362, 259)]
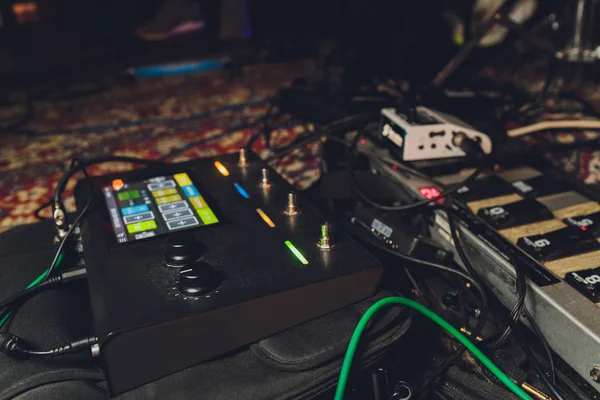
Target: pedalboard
[(189, 261), (548, 225)]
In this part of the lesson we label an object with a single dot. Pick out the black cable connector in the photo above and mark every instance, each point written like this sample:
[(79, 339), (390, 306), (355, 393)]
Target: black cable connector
[(13, 345), (471, 147), (64, 277), (72, 275), (8, 342)]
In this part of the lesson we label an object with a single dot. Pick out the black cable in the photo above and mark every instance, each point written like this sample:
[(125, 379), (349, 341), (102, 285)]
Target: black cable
[(519, 305), (543, 95), (418, 291), (69, 232), (441, 369), (50, 202), (405, 207), (74, 163), (531, 109), (199, 142), (521, 283), (537, 100), (538, 333), (60, 247), (298, 143), (264, 121), (62, 183), (413, 281), (481, 293), (541, 373), (516, 312), (327, 131), (519, 308), (11, 344), (27, 293), (566, 381), (276, 133), (40, 209)]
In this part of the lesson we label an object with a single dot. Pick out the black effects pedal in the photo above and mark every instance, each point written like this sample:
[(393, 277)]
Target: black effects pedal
[(189, 261)]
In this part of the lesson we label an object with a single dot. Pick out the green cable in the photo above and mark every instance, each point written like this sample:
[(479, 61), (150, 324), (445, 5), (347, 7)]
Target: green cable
[(35, 282), (47, 273), (362, 324), (3, 320)]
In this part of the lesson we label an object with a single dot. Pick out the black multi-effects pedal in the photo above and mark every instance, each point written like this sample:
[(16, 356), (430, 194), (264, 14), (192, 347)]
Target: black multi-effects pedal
[(188, 261)]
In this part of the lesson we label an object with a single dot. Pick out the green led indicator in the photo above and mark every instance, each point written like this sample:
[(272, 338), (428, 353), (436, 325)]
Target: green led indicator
[(296, 252)]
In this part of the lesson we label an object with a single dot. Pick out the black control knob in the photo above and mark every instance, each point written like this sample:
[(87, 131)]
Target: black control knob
[(197, 279), (182, 249)]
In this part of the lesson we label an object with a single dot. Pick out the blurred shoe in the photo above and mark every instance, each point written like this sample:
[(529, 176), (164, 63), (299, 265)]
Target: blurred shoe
[(174, 18)]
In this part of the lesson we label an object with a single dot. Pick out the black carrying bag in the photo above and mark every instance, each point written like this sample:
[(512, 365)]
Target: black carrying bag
[(299, 363)]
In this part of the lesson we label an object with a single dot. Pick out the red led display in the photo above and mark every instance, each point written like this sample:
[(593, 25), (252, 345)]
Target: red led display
[(430, 192)]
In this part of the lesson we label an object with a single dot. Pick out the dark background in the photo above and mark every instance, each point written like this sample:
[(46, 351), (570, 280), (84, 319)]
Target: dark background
[(77, 35)]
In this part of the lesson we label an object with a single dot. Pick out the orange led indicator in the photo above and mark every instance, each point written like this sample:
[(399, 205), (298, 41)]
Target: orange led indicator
[(117, 185), (265, 218), (221, 168)]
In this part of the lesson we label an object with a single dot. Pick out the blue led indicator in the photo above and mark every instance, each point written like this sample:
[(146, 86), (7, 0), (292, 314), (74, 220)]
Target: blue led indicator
[(241, 190)]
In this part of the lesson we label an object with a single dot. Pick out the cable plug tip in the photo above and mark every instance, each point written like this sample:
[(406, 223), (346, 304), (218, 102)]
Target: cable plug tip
[(8, 343), (466, 144)]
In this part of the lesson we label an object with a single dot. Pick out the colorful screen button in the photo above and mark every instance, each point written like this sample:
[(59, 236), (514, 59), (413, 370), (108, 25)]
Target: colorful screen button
[(173, 206), (207, 216), (131, 219), (177, 214), (198, 202), (190, 191), (135, 209), (132, 194), (142, 226), (145, 235), (168, 199), (161, 185), (164, 192), (183, 179), (182, 223)]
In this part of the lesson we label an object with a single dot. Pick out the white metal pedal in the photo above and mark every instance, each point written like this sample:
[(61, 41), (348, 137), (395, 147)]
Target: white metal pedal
[(429, 136)]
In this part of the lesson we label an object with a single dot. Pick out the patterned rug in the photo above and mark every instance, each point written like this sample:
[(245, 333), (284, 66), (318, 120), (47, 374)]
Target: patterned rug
[(147, 119), (155, 116)]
